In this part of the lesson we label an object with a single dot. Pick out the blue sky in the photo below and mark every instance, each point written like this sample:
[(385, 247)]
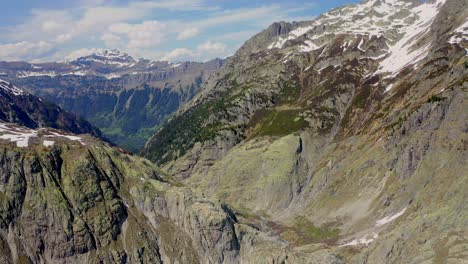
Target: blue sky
[(175, 30)]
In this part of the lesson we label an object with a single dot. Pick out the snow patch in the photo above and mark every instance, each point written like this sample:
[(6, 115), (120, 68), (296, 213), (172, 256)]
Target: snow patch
[(359, 47), (378, 57), (389, 219), (403, 52), (388, 88), (19, 136), (367, 239), (48, 143), (73, 138), (460, 35), (310, 46), (77, 73), (26, 74), (292, 35), (11, 88), (364, 241), (112, 76)]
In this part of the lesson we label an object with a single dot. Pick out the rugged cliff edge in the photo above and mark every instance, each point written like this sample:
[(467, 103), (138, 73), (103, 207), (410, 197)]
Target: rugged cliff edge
[(73, 199)]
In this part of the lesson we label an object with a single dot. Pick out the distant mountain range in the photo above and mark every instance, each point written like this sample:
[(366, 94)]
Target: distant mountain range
[(108, 64), (126, 98)]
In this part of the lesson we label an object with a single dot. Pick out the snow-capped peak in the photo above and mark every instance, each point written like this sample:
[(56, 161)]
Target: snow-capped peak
[(114, 54), (10, 88), (108, 57)]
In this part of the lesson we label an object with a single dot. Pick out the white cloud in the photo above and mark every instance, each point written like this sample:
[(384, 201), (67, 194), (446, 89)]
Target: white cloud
[(111, 40), (204, 52), (188, 33), (213, 47), (81, 53), (39, 26), (50, 26), (24, 50), (176, 5), (178, 55), (252, 15), (101, 17), (147, 34), (131, 27), (146, 53), (240, 35), (63, 38), (84, 20)]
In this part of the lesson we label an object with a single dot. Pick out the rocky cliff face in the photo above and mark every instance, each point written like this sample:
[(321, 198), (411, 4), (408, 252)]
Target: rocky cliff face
[(68, 198), (126, 98), (339, 133)]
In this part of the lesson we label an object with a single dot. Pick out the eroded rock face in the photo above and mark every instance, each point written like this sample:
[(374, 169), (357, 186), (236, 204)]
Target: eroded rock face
[(64, 205), (83, 201)]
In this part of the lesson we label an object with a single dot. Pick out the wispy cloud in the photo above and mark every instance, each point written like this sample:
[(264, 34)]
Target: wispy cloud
[(164, 29), (188, 33), (25, 50), (203, 52), (81, 53), (176, 5), (235, 36)]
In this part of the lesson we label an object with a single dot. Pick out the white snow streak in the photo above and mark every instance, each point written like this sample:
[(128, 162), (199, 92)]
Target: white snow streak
[(26, 74), (460, 35), (48, 143), (364, 241), (367, 239), (388, 88), (10, 88), (388, 219)]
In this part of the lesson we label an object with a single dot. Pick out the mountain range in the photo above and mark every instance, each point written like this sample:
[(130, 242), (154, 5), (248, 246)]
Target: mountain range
[(343, 139), (109, 88)]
